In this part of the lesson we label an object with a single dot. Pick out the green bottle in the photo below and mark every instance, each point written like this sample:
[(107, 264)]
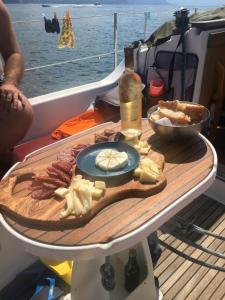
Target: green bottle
[(132, 272)]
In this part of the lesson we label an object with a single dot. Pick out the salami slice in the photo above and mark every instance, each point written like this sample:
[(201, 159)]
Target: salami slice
[(66, 155), (61, 175), (64, 166), (100, 138), (42, 194), (109, 132)]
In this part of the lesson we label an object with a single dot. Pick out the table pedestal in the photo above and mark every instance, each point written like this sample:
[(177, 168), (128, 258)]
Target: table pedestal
[(86, 278)]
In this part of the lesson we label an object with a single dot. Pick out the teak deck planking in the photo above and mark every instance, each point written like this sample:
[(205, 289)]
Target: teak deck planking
[(187, 164), (182, 279)]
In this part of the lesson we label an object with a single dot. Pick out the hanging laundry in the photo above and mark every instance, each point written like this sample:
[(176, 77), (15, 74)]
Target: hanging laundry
[(67, 37), (48, 24), (55, 24)]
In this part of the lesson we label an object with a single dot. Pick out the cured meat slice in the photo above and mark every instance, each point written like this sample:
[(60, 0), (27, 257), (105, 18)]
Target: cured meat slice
[(36, 187), (64, 166), (42, 194), (109, 132), (100, 138), (52, 174), (77, 149), (66, 155), (49, 179), (108, 135), (48, 185), (61, 175)]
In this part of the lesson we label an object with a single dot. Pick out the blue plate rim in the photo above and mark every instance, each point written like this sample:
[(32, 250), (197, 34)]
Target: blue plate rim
[(121, 174)]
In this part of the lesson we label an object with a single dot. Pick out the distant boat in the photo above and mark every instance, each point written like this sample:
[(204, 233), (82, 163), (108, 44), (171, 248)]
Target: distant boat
[(97, 3), (46, 5)]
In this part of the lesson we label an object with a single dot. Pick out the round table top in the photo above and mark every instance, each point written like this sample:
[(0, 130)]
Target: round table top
[(190, 169)]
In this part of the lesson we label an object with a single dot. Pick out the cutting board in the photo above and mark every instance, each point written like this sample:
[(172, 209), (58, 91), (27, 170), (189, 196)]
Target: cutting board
[(15, 198)]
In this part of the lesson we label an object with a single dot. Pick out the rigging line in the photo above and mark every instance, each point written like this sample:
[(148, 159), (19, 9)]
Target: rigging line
[(71, 61), (200, 247), (76, 18), (193, 260), (60, 19)]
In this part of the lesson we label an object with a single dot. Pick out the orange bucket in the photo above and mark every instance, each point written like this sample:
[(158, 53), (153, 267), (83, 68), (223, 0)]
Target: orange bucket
[(156, 88)]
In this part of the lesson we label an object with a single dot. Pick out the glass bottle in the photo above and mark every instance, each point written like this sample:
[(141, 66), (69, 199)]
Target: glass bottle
[(130, 94), (132, 272)]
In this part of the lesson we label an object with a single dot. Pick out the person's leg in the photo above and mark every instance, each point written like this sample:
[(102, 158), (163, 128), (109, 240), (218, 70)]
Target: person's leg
[(13, 127)]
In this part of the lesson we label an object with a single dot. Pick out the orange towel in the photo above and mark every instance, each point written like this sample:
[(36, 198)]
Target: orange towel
[(76, 124)]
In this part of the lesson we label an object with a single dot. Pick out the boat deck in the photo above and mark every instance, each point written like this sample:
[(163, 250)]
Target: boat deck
[(182, 279)]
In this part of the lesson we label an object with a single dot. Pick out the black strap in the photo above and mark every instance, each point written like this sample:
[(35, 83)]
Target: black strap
[(171, 68)]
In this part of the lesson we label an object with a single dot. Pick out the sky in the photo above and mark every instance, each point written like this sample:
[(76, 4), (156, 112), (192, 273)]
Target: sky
[(200, 2)]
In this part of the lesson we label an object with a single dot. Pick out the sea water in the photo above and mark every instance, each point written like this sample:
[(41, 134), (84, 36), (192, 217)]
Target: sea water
[(94, 36)]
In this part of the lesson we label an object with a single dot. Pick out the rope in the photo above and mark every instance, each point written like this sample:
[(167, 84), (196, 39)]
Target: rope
[(70, 61), (196, 261), (200, 247), (78, 18), (204, 231)]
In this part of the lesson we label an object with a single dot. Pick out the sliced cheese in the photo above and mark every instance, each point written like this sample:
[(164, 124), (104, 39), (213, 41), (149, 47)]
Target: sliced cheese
[(84, 193), (79, 196), (79, 208)]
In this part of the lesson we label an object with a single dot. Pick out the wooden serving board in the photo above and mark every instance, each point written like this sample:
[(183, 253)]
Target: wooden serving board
[(15, 198)]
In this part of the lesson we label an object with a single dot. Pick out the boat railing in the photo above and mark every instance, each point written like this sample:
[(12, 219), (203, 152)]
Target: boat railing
[(115, 51)]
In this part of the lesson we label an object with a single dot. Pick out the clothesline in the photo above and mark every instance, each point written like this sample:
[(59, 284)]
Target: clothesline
[(78, 18)]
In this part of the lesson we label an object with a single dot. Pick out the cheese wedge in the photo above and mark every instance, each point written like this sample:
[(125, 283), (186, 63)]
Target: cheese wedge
[(147, 171), (111, 160), (100, 185), (148, 176), (61, 192), (142, 147), (97, 193)]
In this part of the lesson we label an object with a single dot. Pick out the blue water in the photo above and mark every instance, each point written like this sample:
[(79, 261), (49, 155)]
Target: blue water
[(94, 36)]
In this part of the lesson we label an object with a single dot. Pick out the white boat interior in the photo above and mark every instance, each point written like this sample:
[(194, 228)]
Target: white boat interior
[(204, 84)]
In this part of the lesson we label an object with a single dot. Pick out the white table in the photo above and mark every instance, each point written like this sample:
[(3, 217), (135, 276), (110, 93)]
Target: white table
[(190, 170)]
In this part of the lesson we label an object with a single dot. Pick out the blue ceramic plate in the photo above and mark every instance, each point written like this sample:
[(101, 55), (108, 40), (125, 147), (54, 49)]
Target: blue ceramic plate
[(86, 160)]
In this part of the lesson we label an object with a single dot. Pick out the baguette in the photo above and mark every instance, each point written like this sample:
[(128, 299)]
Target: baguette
[(168, 104), (194, 111), (155, 117), (176, 117)]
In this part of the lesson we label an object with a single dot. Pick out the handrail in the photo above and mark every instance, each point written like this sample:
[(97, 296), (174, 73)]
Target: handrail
[(71, 61)]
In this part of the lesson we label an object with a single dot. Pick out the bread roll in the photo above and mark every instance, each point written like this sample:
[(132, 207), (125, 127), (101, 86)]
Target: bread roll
[(176, 117)]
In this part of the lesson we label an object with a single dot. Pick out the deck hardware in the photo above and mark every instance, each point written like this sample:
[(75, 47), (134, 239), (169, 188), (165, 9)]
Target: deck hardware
[(189, 227)]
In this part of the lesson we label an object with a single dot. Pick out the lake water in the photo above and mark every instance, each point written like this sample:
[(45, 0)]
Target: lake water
[(94, 36)]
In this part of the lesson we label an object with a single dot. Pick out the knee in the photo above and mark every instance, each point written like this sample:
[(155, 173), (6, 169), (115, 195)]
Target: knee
[(27, 116), (19, 122)]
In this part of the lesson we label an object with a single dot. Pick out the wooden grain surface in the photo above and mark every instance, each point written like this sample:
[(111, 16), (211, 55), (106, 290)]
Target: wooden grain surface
[(16, 200), (187, 164)]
